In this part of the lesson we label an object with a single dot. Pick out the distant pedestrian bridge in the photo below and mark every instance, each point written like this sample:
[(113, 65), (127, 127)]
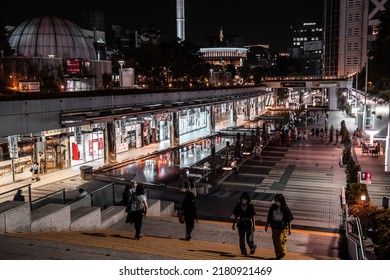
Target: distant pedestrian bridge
[(313, 82)]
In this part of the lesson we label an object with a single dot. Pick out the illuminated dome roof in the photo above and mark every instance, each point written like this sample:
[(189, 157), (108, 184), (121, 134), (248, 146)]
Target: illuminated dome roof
[(46, 36)]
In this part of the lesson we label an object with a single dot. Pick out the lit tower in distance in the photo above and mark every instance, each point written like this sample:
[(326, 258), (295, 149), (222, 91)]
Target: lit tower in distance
[(180, 21)]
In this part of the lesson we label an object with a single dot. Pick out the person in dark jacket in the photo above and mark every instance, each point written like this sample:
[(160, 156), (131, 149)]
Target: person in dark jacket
[(190, 213), (19, 196), (244, 215), (279, 218)]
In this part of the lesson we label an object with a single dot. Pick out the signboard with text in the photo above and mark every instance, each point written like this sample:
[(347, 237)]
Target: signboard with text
[(364, 177), (73, 67), (294, 84), (29, 86)]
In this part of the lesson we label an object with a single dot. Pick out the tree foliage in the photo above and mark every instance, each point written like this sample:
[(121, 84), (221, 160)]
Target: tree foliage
[(5, 47), (380, 64)]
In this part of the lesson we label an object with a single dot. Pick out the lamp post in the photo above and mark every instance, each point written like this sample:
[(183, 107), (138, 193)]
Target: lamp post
[(206, 167), (121, 63), (226, 165), (387, 158), (244, 146), (365, 97)]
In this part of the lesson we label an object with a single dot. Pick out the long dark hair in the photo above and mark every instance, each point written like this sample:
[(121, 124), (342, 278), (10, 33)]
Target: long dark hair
[(279, 197), (139, 190)]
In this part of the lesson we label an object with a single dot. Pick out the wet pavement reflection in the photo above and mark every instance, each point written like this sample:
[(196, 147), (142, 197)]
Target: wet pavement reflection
[(165, 165)]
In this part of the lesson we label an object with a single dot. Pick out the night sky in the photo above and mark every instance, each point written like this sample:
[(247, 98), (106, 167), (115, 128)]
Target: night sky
[(257, 21)]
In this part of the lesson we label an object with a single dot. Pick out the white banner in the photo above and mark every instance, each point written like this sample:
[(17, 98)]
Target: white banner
[(13, 146)]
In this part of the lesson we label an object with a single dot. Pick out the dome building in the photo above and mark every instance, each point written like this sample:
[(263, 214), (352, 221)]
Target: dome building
[(51, 37), (60, 49)]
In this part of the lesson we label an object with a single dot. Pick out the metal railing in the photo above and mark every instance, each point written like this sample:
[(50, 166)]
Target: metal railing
[(57, 197), (9, 195), (103, 197), (355, 236)]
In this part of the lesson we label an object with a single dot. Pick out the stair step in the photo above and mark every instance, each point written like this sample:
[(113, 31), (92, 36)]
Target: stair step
[(51, 217), (112, 215), (85, 217)]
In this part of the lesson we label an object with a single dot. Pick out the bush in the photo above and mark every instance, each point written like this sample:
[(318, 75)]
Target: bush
[(354, 192), (352, 171), (381, 222), (372, 218)]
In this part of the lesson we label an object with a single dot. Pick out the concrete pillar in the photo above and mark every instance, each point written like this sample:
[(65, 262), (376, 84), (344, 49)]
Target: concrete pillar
[(174, 128), (109, 143), (233, 114), (248, 109), (256, 101), (332, 97), (212, 119)]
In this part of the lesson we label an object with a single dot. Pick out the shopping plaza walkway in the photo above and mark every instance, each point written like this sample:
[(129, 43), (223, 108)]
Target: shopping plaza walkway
[(309, 176)]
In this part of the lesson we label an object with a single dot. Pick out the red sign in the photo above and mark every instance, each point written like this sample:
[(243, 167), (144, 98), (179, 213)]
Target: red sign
[(365, 177), (73, 67)]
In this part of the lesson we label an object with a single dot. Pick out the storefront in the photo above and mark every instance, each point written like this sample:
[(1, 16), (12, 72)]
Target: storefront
[(192, 120), (163, 132), (56, 153), (18, 167), (128, 134), (87, 144)]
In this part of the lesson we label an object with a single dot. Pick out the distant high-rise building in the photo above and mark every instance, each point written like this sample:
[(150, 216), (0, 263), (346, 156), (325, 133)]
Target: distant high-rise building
[(93, 23), (180, 20), (307, 47), (349, 28)]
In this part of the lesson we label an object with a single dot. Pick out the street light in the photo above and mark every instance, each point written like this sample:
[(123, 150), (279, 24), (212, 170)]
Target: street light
[(121, 63), (206, 166), (365, 97), (226, 165), (387, 158)]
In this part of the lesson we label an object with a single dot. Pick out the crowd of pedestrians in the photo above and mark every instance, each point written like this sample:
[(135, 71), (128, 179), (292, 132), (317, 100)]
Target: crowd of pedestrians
[(243, 215)]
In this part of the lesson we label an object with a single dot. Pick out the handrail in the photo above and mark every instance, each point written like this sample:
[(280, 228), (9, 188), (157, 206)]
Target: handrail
[(21, 187), (354, 236), (361, 242), (51, 195), (15, 189), (102, 188), (92, 193)]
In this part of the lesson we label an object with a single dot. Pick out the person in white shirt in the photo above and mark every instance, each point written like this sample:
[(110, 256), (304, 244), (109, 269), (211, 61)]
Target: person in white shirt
[(82, 193)]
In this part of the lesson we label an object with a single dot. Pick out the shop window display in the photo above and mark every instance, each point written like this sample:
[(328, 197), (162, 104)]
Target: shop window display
[(56, 153)]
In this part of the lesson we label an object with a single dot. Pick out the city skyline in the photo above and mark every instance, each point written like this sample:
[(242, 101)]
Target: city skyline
[(254, 22)]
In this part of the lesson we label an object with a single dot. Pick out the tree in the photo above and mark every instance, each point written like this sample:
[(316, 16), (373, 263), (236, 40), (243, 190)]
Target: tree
[(381, 222), (5, 47), (380, 64)]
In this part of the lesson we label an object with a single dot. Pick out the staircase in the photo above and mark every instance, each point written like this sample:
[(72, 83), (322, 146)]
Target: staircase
[(16, 216)]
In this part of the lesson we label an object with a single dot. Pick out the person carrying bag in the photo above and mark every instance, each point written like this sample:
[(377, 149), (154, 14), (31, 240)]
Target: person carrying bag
[(137, 209)]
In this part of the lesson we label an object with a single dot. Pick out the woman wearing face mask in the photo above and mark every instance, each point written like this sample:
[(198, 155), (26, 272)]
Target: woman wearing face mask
[(279, 218), (244, 213)]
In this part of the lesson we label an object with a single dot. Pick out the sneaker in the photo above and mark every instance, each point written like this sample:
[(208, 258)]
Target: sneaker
[(253, 250)]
